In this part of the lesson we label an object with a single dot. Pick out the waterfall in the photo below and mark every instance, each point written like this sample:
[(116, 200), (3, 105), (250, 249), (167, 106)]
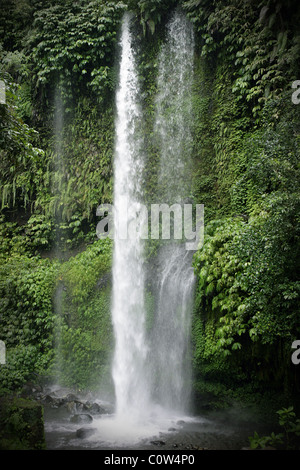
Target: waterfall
[(150, 370), (128, 308), (175, 278), (151, 363), (174, 108), (58, 169)]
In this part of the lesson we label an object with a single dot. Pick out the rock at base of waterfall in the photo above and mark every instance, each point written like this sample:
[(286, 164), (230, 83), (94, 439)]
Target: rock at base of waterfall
[(81, 418), (83, 433)]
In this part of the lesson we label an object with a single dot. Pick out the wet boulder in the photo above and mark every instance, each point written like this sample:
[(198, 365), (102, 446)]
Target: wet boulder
[(83, 433), (81, 418)]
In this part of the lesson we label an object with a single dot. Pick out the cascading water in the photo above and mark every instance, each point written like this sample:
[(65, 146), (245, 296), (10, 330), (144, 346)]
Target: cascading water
[(149, 369), (173, 107), (175, 278), (58, 166), (171, 333), (155, 372), (128, 309)]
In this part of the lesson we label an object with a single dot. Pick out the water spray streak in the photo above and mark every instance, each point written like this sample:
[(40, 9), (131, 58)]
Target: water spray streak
[(175, 280), (151, 372), (128, 310), (174, 108)]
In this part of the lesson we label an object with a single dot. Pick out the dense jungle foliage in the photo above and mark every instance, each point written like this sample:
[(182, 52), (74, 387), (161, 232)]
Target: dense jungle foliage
[(59, 67)]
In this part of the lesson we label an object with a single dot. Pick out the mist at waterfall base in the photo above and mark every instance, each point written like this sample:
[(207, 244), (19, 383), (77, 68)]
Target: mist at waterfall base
[(150, 372)]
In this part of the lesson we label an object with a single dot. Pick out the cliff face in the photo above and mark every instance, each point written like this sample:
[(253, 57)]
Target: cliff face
[(59, 68)]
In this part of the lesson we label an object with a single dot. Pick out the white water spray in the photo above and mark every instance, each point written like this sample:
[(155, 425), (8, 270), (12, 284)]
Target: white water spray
[(173, 106), (149, 372)]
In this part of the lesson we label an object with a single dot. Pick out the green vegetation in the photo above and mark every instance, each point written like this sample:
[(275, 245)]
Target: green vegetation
[(22, 426), (287, 439), (48, 306), (247, 175), (27, 317), (83, 323)]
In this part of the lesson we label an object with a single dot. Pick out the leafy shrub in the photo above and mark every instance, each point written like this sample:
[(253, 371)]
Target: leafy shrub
[(83, 326), (82, 60), (27, 318), (288, 439)]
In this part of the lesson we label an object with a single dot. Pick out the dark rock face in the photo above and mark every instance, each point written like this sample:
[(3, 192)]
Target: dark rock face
[(83, 433), (81, 418), (158, 443), (62, 398)]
